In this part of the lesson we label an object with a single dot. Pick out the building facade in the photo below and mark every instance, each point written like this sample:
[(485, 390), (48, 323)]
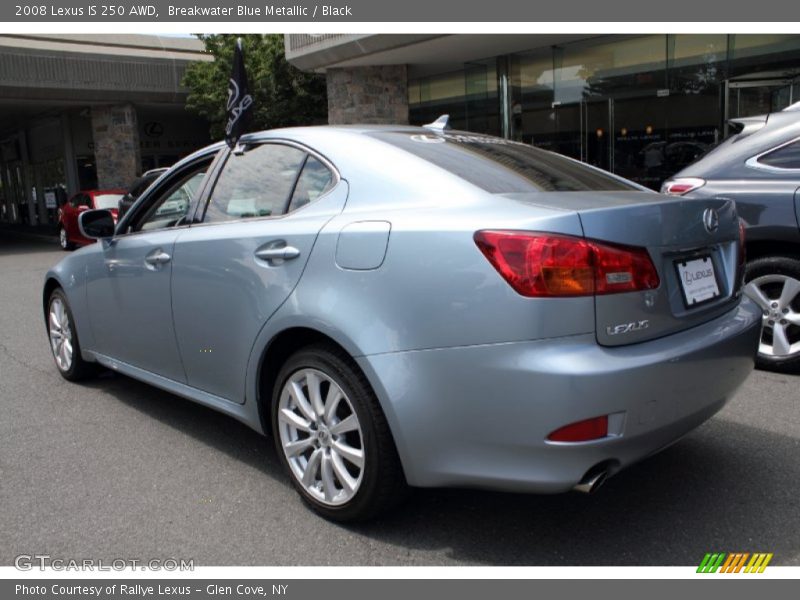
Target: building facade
[(642, 106), (89, 111)]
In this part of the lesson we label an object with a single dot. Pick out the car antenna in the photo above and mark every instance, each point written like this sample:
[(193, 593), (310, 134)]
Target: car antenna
[(440, 124)]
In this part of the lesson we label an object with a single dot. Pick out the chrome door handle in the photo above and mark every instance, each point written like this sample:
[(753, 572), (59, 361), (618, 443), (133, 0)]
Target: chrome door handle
[(281, 253), (159, 257)]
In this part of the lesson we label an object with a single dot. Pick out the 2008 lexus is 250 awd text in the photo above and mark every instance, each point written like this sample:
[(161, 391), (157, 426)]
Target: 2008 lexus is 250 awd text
[(413, 306)]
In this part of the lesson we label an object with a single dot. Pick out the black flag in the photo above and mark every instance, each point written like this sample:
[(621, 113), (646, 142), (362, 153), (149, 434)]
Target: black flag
[(239, 99)]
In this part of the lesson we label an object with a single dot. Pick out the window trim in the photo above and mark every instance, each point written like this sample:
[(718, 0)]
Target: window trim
[(261, 141), (754, 161), (288, 202)]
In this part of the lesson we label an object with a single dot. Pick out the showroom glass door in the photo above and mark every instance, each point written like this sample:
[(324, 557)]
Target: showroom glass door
[(747, 98), (568, 129), (583, 132), (598, 138), (646, 139), (639, 144)]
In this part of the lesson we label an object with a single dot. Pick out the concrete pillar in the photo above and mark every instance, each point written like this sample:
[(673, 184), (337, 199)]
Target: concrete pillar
[(116, 145), (376, 95), (27, 182), (70, 167)]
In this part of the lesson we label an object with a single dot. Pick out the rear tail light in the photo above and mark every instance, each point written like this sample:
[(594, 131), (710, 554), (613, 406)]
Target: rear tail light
[(582, 431), (682, 185), (542, 265)]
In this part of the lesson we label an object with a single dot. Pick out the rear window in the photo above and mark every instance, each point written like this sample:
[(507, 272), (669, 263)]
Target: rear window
[(502, 166)]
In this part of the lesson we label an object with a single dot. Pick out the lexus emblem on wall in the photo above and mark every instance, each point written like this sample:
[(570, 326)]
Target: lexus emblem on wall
[(710, 220), (153, 129)]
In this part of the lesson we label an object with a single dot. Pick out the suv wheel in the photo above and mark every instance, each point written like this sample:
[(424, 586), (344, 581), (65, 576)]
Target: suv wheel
[(773, 282), (332, 437)]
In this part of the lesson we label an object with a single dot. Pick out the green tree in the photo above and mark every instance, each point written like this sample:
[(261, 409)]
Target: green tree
[(283, 95)]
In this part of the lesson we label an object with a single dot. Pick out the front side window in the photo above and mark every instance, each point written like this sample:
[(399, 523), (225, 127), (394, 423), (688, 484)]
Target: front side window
[(173, 206), (785, 157), (255, 183)]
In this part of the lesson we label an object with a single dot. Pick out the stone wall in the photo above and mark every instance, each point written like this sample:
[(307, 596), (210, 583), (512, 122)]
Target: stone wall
[(377, 95), (116, 145)]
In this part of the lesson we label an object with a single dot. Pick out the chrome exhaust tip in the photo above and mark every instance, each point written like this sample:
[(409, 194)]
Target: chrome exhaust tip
[(592, 481)]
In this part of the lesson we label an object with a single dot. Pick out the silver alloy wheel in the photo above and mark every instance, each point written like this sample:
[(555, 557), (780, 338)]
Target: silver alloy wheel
[(60, 334), (321, 437), (62, 237), (777, 296)]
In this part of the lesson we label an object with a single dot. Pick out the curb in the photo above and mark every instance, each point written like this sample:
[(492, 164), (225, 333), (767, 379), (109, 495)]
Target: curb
[(42, 237)]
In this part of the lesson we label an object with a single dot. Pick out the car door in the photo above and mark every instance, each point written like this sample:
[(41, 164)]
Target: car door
[(233, 271), (128, 288), (65, 215)]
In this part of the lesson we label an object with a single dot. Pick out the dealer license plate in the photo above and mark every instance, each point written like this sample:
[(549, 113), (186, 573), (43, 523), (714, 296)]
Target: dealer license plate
[(698, 280)]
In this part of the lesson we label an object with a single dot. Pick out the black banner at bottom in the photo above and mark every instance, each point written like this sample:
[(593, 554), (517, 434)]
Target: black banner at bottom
[(390, 589)]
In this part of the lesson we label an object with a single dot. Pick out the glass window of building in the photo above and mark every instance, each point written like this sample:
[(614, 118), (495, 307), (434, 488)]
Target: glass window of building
[(643, 107), (531, 93)]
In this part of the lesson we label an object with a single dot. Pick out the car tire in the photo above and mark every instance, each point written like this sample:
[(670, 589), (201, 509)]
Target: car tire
[(63, 240), (320, 451), (773, 282), (63, 337)]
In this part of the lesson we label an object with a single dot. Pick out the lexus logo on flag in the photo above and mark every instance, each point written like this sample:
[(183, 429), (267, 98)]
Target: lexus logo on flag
[(239, 99)]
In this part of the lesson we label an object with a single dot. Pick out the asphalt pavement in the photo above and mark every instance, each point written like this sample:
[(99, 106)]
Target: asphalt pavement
[(116, 469)]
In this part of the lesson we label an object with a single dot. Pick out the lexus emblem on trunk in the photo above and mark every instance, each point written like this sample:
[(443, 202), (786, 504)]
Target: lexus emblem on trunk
[(710, 220)]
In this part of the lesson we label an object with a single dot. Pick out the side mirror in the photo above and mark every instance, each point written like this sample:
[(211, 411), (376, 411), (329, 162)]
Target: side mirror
[(96, 224)]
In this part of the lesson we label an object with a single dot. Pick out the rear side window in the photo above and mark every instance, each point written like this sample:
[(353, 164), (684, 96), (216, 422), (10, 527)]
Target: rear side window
[(175, 201), (256, 183), (786, 157), (502, 166)]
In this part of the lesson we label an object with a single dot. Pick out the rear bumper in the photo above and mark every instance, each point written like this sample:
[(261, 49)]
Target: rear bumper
[(479, 416)]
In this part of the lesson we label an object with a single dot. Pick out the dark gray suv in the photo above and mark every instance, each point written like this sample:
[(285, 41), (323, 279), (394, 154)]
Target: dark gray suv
[(759, 167)]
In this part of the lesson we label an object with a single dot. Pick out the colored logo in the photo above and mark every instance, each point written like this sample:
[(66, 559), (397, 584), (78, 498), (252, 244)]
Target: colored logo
[(734, 562)]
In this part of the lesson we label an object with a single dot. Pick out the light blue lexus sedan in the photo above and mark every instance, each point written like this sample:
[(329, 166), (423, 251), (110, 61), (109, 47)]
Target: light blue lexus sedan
[(415, 306)]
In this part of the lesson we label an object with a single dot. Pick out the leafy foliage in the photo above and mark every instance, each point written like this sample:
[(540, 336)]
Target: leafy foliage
[(283, 95)]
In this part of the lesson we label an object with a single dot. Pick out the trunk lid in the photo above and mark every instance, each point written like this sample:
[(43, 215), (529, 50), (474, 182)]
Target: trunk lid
[(674, 232)]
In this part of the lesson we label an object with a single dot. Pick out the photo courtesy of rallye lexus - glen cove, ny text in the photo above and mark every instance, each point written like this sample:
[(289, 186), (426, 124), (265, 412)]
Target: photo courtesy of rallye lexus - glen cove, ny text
[(403, 306)]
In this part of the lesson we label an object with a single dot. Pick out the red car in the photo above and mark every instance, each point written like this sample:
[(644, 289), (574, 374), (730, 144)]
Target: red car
[(69, 236)]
